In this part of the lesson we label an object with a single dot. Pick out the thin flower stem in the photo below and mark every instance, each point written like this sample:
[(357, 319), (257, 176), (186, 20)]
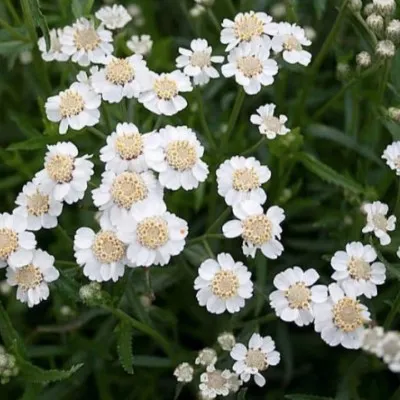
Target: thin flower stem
[(291, 12), (214, 19), (149, 284), (97, 132), (253, 148), (384, 81), (67, 263), (220, 219), (158, 122), (206, 237), (208, 248), (63, 233), (203, 119), (13, 32), (234, 116), (107, 118), (392, 314), (231, 7)]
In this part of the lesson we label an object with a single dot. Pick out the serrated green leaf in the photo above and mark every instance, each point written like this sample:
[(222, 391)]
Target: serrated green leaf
[(8, 333), (67, 287), (35, 17), (306, 397), (124, 346), (31, 392), (328, 174)]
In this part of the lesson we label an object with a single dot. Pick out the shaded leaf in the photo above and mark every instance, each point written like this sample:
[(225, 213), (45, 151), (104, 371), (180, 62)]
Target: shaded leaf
[(306, 397), (124, 346)]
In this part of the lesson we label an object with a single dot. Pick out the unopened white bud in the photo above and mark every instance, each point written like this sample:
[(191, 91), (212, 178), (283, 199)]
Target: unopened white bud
[(355, 5), (278, 10), (394, 114), (369, 9), (5, 288), (207, 356), (376, 23), (184, 372), (310, 32), (342, 71), (385, 49), (385, 7), (226, 340), (90, 293), (363, 59), (197, 10), (393, 31)]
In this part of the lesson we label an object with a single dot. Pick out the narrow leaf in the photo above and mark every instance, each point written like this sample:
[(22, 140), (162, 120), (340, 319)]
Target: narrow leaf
[(35, 16), (8, 333), (306, 397), (124, 346)]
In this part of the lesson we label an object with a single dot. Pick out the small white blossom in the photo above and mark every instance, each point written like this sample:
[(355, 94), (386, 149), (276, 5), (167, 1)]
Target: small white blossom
[(372, 340), (385, 49), (197, 10), (269, 125), (392, 156), (215, 382), (206, 357), (226, 340), (54, 53), (385, 7), (140, 44), (184, 372), (113, 17), (393, 31), (389, 350)]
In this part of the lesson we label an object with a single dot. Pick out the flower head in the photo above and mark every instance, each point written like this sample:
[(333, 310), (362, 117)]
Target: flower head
[(206, 357), (54, 53), (32, 278), (392, 156), (372, 340), (113, 17), (254, 359), (184, 372), (296, 295), (215, 382), (385, 7), (226, 340), (259, 230), (223, 285), (385, 49), (140, 44), (269, 124)]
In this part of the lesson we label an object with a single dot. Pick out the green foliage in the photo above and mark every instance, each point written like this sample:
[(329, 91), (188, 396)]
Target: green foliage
[(124, 346)]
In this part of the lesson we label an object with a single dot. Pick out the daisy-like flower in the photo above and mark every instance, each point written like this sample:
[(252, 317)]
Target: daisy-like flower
[(140, 44), (153, 234), (121, 77), (197, 62), (33, 277), (103, 254), (269, 124), (377, 222), (54, 53), (113, 17), (75, 107), (161, 92), (223, 285), (120, 194), (241, 179), (16, 244), (256, 358), (206, 356), (39, 209), (85, 43), (184, 372), (176, 154), (215, 382), (259, 230), (290, 40), (251, 65), (392, 156), (125, 149), (356, 267), (341, 318), (389, 350), (295, 298), (65, 175), (247, 27)]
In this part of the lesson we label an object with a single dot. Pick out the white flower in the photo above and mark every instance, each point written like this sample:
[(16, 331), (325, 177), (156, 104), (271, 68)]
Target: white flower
[(120, 194), (341, 318), (153, 234), (197, 10), (295, 298), (206, 356), (269, 125), (226, 340), (241, 179), (121, 77), (223, 285), (75, 107), (33, 277), (39, 209), (176, 154), (356, 267), (83, 77), (215, 382), (392, 156), (65, 175), (251, 65), (136, 12), (161, 92), (290, 40), (385, 7), (102, 255), (25, 57), (389, 350), (197, 62), (259, 355), (113, 17), (184, 372), (259, 230), (125, 149), (54, 52), (372, 340), (377, 221), (85, 43), (16, 244), (246, 27), (140, 44)]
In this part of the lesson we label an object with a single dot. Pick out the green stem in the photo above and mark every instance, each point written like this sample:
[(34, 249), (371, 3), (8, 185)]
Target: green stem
[(13, 33), (13, 12), (231, 7), (396, 211), (206, 237), (67, 263), (253, 148), (203, 119), (221, 218), (214, 19), (208, 248), (97, 133), (383, 83), (362, 22), (395, 309), (158, 122), (63, 233), (149, 285), (234, 116), (107, 118)]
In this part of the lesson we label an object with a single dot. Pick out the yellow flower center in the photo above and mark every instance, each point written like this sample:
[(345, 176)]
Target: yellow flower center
[(8, 242), (128, 188), (152, 232), (380, 221), (107, 248), (181, 155), (347, 314), (248, 27), (60, 168), (165, 88), (359, 269), (200, 59), (257, 229), (119, 71), (250, 66), (271, 124), (37, 204), (71, 103), (256, 359), (225, 284), (86, 39), (298, 296), (215, 380), (290, 43), (129, 146), (245, 179), (28, 277)]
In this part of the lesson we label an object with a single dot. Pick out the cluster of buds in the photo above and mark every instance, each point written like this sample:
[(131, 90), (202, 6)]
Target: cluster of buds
[(200, 7), (8, 366), (92, 294)]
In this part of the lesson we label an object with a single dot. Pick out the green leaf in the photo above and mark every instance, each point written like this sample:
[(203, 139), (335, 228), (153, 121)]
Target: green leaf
[(328, 174), (81, 7), (8, 333), (124, 346), (306, 397), (35, 17), (320, 7)]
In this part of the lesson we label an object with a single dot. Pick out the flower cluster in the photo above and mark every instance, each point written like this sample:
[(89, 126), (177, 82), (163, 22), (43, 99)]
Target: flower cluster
[(8, 366)]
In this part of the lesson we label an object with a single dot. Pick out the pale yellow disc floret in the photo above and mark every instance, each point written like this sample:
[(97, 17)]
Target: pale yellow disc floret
[(245, 179), (129, 146), (181, 155), (248, 27), (249, 66), (200, 59), (165, 88), (37, 204), (359, 268), (225, 284), (28, 277), (152, 232), (8, 242), (119, 71), (347, 314), (298, 296), (290, 43), (107, 248), (86, 39), (71, 103), (257, 229), (256, 359), (60, 168), (128, 188)]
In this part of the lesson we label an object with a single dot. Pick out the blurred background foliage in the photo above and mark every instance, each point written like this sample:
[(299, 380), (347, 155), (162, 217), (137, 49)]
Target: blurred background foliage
[(321, 174)]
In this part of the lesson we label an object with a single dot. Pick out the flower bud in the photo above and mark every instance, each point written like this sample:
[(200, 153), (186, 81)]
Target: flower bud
[(310, 32), (226, 340), (184, 372), (376, 23), (385, 49), (91, 294), (8, 366), (394, 114), (385, 7), (197, 10), (369, 9), (355, 5), (342, 71), (393, 31), (363, 59), (278, 10)]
